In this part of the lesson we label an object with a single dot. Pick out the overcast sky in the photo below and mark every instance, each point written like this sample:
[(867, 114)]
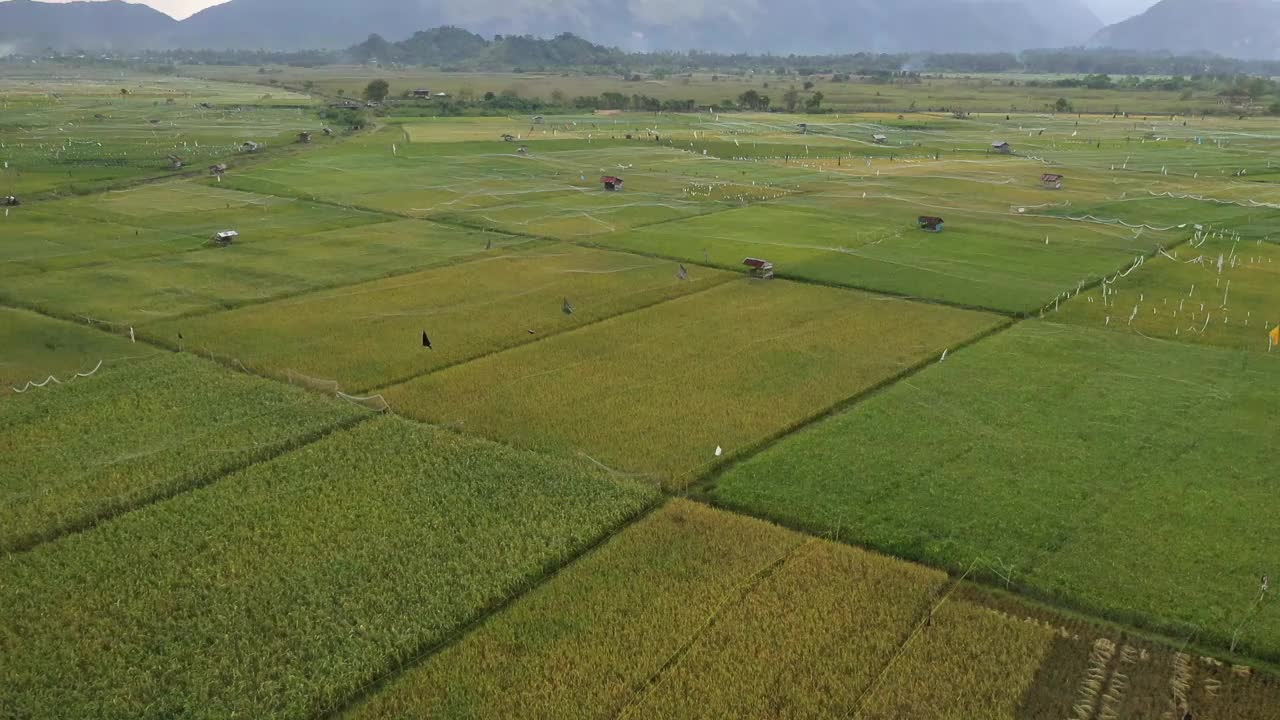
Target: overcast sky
[(1109, 11)]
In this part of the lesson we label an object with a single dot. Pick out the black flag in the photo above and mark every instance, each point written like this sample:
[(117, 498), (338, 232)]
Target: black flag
[(682, 273), (426, 341), (567, 308)]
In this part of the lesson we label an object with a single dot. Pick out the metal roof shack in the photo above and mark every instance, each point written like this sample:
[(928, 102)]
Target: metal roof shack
[(1052, 181), (224, 238)]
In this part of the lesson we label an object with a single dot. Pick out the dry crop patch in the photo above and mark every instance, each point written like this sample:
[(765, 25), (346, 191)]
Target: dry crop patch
[(369, 335), (657, 391), (1121, 475), (281, 590), (136, 431)]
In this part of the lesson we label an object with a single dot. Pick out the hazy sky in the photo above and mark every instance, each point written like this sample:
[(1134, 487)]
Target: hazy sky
[(1109, 11)]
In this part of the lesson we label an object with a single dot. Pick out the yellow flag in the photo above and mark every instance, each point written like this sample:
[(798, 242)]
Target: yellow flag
[(1275, 335)]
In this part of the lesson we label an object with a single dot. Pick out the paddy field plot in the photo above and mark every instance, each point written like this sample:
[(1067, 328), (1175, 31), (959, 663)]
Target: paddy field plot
[(33, 347), (656, 391), (696, 612), (1184, 296), (136, 430), (284, 589), (367, 335), (553, 193), (148, 290), (156, 219), (991, 260), (1116, 474), (78, 134)]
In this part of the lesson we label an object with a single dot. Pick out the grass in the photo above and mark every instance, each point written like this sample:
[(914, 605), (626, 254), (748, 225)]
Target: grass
[(149, 290), (1063, 460), (33, 347), (283, 589), (367, 336), (137, 431), (657, 391)]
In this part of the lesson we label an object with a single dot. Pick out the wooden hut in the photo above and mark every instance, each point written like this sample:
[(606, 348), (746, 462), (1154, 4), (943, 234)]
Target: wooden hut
[(762, 269), (1051, 181), (611, 183), (930, 223), (1002, 148)]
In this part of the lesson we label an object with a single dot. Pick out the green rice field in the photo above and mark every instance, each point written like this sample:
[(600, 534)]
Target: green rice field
[(450, 429)]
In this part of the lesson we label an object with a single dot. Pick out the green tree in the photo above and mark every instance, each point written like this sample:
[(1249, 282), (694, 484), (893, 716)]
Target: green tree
[(1062, 105), (790, 99), (808, 84), (814, 103), (376, 90)]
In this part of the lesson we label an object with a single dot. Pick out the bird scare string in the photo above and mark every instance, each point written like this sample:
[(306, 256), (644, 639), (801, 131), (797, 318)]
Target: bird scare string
[(51, 379)]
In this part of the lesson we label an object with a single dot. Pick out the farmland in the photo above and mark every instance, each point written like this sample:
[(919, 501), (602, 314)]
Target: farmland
[(695, 379), (453, 429), (333, 564)]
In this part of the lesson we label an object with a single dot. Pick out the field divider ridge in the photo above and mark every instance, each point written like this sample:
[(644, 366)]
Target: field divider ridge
[(109, 514), (700, 488), (734, 598), (482, 615), (547, 336)]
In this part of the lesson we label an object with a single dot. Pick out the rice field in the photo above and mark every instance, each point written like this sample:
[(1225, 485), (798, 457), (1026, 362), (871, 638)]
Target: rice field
[(1061, 397), (208, 279), (282, 589), (34, 347), (468, 310), (88, 129), (696, 612), (657, 391), (137, 430), (1166, 487)]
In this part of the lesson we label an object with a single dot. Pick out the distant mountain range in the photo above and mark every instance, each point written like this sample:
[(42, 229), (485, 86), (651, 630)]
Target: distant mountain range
[(27, 26), (1240, 28), (1247, 29)]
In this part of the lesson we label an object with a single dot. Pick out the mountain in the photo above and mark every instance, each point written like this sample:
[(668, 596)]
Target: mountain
[(27, 26), (755, 26), (1248, 29)]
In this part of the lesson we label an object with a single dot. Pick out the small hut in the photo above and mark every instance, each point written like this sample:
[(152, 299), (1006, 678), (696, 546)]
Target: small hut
[(175, 162), (930, 223), (422, 93), (224, 237), (250, 146), (762, 269), (328, 132), (611, 183), (304, 137), (538, 119), (1002, 147), (10, 201), (522, 150), (507, 137), (879, 139), (1051, 181), (803, 128), (218, 169)]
